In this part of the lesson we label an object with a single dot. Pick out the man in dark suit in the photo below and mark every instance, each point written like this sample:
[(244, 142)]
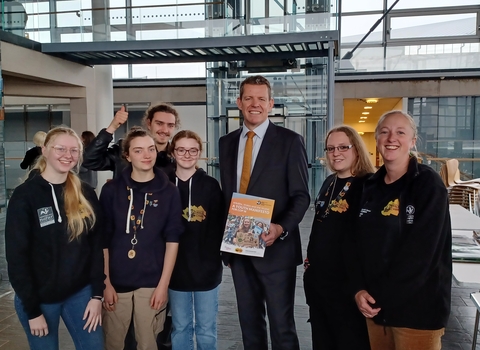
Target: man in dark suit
[(278, 170)]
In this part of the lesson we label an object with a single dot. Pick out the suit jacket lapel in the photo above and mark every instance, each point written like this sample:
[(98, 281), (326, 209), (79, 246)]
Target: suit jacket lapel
[(264, 154)]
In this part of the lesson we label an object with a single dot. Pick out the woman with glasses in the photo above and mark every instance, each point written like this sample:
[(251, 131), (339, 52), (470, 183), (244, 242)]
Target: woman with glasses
[(335, 321), (142, 229), (54, 248), (193, 290), (404, 237)]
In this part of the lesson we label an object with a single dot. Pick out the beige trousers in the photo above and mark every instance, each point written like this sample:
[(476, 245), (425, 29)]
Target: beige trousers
[(397, 338), (147, 321)]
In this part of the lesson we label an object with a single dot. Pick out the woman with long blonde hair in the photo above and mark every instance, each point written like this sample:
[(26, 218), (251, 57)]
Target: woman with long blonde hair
[(54, 248)]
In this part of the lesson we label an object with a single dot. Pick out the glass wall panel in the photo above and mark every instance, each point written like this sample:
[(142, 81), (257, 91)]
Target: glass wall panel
[(413, 4), (358, 6), (449, 127), (355, 27), (422, 26)]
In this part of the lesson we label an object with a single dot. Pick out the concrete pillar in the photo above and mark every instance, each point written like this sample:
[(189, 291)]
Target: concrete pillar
[(103, 78)]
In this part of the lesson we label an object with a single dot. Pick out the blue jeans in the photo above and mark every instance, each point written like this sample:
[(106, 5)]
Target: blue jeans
[(194, 312), (71, 310)]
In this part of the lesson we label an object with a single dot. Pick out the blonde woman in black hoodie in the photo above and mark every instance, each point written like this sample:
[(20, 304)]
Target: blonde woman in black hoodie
[(54, 248), (193, 290)]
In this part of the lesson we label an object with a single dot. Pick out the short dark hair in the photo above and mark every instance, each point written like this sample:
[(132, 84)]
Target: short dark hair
[(161, 107), (256, 80), (87, 137)]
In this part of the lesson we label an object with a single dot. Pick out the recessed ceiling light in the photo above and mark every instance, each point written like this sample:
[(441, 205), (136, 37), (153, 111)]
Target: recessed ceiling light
[(365, 113), (363, 117), (361, 121), (367, 107), (361, 133), (371, 100)]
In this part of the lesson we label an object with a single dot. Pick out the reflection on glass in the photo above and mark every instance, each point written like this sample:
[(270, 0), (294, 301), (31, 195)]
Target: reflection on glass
[(413, 4), (433, 26)]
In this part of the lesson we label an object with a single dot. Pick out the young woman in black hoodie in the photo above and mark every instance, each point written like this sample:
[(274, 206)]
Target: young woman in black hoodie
[(54, 248), (193, 290), (142, 229), (329, 254)]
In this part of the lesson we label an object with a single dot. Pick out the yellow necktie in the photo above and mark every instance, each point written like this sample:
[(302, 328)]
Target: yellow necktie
[(247, 163)]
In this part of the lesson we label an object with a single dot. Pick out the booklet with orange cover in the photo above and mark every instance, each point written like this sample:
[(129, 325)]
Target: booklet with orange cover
[(248, 217)]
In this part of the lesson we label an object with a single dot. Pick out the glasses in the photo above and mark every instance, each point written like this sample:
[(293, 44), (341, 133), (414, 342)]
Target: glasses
[(182, 151), (61, 151), (342, 148)]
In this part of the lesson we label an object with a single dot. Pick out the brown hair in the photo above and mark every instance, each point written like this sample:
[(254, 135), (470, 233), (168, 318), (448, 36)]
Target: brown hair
[(80, 214), (87, 137), (256, 80), (185, 134), (362, 164), (160, 107), (135, 131)]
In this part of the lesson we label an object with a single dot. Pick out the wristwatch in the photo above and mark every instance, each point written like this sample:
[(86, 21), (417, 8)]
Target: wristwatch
[(283, 235)]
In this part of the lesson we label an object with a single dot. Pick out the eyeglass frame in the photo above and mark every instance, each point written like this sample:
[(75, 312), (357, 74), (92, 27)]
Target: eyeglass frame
[(184, 151), (341, 148), (58, 151)]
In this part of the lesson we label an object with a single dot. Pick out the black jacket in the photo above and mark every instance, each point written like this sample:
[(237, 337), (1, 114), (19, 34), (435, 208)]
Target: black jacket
[(405, 249), (98, 156), (43, 266), (30, 157), (199, 265)]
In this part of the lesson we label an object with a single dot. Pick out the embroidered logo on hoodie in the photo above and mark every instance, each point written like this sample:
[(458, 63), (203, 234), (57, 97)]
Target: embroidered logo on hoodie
[(197, 213), (392, 208), (45, 216)]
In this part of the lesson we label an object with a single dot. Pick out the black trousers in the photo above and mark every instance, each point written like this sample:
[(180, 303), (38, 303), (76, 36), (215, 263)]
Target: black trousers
[(336, 322), (276, 291)]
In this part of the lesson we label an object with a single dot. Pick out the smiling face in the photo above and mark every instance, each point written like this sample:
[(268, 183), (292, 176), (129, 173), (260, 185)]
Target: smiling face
[(161, 126), (61, 153), (186, 161), (142, 153), (395, 138), (341, 162), (255, 104)]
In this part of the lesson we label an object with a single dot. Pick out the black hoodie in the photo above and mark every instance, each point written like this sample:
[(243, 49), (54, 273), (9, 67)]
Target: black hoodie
[(199, 265), (161, 223), (43, 266)]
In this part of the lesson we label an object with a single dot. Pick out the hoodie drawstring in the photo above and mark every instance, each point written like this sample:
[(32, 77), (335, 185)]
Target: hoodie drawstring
[(55, 202), (129, 213), (189, 197)]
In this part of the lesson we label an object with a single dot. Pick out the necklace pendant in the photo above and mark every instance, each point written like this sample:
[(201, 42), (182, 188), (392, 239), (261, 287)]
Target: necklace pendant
[(131, 254)]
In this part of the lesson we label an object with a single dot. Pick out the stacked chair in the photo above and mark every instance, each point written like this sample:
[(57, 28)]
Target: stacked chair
[(464, 193)]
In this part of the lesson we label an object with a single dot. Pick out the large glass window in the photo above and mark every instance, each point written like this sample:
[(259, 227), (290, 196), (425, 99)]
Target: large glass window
[(359, 6), (449, 127), (412, 4), (433, 26)]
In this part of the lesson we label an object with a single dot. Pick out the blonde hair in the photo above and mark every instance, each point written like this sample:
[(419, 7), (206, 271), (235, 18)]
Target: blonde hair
[(362, 164), (410, 120), (39, 138), (80, 214)]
